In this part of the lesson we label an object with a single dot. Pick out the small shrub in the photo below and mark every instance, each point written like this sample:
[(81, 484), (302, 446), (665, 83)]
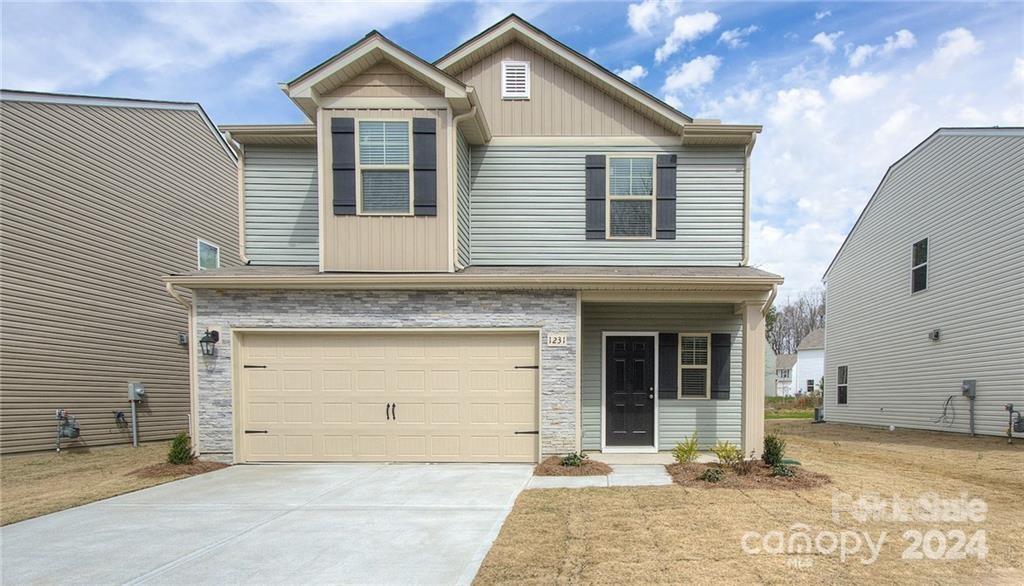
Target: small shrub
[(783, 471), (574, 459), (744, 467), (181, 450), (686, 450), (774, 449), (712, 475), (728, 454)]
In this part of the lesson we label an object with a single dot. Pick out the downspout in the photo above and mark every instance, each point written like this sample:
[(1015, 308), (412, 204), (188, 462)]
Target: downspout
[(192, 382), (240, 169), (454, 173), (771, 299), (746, 201)]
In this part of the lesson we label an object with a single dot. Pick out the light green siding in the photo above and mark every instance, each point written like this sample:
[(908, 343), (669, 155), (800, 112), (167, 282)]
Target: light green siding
[(463, 181), (281, 221), (528, 208), (712, 420)]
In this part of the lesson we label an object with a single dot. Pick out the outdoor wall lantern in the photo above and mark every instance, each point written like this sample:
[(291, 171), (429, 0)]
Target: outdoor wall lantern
[(207, 342)]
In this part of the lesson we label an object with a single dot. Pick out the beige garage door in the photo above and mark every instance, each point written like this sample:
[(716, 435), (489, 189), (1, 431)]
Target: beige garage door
[(416, 397)]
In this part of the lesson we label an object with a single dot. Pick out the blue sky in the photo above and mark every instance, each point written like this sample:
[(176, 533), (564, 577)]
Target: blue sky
[(842, 88)]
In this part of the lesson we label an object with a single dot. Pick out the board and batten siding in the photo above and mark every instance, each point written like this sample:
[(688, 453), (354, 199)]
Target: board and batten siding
[(464, 181), (529, 208), (712, 420), (964, 192), (98, 203), (281, 222)]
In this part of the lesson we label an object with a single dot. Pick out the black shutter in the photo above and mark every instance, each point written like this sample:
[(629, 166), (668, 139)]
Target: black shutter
[(343, 165), (668, 365), (721, 352), (595, 197), (424, 166), (666, 197)]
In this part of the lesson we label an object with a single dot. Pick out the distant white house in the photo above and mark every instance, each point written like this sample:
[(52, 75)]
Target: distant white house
[(769, 371), (784, 375), (927, 291), (810, 362)]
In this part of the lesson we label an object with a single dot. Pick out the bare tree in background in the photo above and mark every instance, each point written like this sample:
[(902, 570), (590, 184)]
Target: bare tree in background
[(786, 325)]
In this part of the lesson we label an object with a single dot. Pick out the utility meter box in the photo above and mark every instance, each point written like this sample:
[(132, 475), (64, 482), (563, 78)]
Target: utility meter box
[(136, 391), (969, 387)]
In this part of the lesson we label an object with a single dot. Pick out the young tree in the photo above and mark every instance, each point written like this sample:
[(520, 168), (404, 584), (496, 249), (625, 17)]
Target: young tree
[(787, 325)]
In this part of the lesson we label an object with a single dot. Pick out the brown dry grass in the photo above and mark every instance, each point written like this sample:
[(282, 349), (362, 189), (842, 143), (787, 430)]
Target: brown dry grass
[(553, 467), (758, 476), (36, 484), (678, 534)]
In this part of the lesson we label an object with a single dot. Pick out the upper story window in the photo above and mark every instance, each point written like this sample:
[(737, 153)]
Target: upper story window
[(919, 268), (695, 366), (385, 173), (783, 373), (515, 80), (208, 255), (630, 197)]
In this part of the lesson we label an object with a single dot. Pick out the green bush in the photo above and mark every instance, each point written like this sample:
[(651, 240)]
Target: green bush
[(774, 449), (712, 475), (181, 450), (728, 454), (686, 450), (783, 470), (574, 459)]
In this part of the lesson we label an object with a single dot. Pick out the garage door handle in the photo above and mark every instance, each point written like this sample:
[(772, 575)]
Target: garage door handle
[(393, 416), (527, 433), (387, 411), (256, 431)]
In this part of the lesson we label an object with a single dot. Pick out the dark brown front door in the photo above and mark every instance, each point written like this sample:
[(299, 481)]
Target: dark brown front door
[(629, 390)]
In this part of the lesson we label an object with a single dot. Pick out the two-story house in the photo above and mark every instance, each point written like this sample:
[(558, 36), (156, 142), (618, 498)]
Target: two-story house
[(507, 253)]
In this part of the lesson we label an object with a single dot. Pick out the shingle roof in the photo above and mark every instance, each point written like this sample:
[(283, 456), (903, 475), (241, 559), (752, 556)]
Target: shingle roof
[(814, 340), (785, 361)]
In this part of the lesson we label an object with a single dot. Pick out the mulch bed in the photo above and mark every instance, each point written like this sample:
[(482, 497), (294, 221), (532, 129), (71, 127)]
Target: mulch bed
[(552, 466), (760, 476), (165, 469)]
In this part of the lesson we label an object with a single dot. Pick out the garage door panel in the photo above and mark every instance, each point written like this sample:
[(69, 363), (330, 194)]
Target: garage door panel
[(457, 396)]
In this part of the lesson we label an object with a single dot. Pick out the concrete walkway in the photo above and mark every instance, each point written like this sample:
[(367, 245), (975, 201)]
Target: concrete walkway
[(622, 475), (276, 524)]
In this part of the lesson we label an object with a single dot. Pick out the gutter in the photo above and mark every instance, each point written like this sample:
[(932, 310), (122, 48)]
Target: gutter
[(453, 178), (746, 199), (240, 169)]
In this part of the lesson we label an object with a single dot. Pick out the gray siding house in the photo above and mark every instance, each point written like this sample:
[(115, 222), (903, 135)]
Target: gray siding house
[(507, 253), (926, 291)]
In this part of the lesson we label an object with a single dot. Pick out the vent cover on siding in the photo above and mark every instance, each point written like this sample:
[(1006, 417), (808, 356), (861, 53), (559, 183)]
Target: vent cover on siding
[(515, 80)]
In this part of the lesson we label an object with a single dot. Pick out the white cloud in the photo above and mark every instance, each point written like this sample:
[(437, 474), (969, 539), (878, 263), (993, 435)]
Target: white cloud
[(954, 46), (827, 41), (647, 13), (850, 88), (901, 39), (1018, 70), (686, 29), (822, 14), (795, 103), (895, 124), (691, 75), (737, 37), (674, 101), (632, 74)]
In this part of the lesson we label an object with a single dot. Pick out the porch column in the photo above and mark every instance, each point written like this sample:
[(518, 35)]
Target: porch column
[(753, 379)]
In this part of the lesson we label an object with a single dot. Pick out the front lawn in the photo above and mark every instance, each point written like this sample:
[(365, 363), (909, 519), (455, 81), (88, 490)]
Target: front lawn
[(39, 483), (677, 534), (789, 407)]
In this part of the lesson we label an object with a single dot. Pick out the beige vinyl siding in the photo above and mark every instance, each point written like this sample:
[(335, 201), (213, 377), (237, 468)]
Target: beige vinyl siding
[(964, 194), (281, 205), (464, 220), (383, 80), (98, 203), (387, 243), (560, 104), (712, 420), (529, 208)]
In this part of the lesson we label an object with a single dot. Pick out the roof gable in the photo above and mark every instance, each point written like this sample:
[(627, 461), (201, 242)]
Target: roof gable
[(813, 340)]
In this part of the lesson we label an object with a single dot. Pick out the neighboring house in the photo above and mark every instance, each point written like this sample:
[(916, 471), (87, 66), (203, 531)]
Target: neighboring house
[(926, 291), (100, 198), (769, 372), (810, 362), (784, 364), (506, 253)]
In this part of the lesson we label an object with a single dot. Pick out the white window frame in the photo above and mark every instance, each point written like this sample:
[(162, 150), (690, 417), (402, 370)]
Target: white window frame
[(682, 367), (199, 257), (505, 95), (914, 267), (653, 198), (844, 385), (360, 167)]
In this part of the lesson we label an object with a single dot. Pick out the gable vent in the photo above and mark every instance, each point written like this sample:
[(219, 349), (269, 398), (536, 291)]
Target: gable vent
[(515, 80)]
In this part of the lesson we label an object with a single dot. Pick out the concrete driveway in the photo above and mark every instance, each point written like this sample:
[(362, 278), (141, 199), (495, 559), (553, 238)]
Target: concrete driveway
[(276, 524)]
